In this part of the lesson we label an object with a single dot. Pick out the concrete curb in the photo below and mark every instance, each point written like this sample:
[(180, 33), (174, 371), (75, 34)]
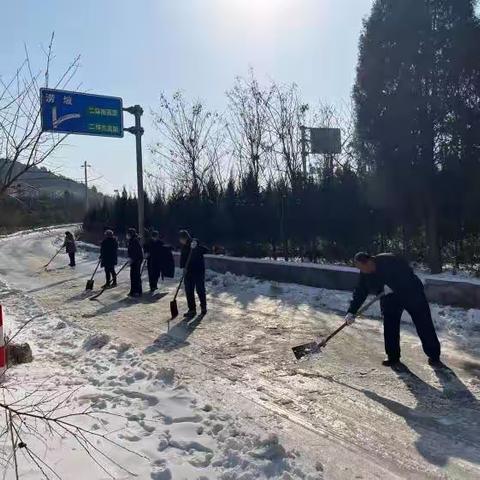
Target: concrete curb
[(456, 293)]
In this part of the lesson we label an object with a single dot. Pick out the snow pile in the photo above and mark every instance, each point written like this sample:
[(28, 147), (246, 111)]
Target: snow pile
[(463, 325), (220, 282), (41, 231), (141, 418), (473, 317)]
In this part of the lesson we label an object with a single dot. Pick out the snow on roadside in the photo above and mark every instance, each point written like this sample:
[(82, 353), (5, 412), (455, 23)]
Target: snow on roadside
[(461, 324), (163, 431), (41, 230)]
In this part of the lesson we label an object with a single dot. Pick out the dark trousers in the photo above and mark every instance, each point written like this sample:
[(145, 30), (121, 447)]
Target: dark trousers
[(110, 274), (419, 309), (135, 278), (153, 274), (71, 256), (195, 281)]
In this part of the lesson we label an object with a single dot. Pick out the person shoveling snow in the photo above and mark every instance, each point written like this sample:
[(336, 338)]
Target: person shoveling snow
[(407, 293)]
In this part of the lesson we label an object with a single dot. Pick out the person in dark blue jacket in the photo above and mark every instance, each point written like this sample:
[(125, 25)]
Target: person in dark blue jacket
[(153, 250), (109, 258), (193, 262), (135, 257), (70, 247), (406, 293)]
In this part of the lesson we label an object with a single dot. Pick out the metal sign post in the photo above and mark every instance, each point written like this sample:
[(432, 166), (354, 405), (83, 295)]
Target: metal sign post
[(85, 114), (304, 150), (137, 130)]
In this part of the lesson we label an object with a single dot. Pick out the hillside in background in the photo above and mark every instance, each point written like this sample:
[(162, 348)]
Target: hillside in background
[(39, 181), (40, 197)]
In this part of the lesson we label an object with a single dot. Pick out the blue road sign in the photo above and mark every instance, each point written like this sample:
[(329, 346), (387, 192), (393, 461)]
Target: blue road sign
[(82, 113)]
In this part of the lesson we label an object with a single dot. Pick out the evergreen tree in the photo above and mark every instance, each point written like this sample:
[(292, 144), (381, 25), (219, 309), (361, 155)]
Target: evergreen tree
[(414, 89)]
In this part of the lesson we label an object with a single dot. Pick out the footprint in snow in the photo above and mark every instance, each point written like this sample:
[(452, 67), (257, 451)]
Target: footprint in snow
[(164, 474), (129, 437), (168, 420), (188, 445), (150, 399), (201, 459)]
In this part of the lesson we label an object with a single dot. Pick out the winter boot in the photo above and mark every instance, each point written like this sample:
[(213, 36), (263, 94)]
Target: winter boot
[(391, 362), (435, 363)]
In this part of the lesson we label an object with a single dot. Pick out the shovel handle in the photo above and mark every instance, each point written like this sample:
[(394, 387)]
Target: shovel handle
[(123, 266), (336, 332), (367, 305), (187, 263), (51, 260), (95, 271), (361, 310)]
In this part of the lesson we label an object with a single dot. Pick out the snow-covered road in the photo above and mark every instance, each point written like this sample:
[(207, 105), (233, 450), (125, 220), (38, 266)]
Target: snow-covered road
[(338, 416)]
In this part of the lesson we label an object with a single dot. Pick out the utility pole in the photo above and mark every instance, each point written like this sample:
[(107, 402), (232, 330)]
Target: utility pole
[(137, 130), (86, 166)]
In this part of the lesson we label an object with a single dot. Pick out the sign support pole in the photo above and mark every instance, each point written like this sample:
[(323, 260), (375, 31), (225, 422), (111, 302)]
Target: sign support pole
[(137, 130), (304, 151)]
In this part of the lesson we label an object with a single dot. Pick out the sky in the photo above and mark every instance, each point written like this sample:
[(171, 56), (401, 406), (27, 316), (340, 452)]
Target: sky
[(138, 49)]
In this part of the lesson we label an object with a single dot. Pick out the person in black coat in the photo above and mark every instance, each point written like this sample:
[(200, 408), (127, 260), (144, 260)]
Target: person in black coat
[(135, 257), (70, 247), (193, 262), (406, 293), (109, 258), (154, 252)]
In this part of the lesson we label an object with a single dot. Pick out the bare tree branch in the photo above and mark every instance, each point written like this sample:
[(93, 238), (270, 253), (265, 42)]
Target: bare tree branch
[(23, 145)]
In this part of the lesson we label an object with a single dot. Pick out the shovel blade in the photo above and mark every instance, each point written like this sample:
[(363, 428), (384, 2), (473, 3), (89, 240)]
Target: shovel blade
[(306, 349), (174, 309), (89, 285)]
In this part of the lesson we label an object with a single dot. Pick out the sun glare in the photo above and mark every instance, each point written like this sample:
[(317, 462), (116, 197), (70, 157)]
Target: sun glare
[(261, 9), (255, 13)]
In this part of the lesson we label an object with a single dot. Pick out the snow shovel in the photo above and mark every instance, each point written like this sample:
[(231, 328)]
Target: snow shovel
[(93, 297), (53, 258), (173, 303), (90, 282), (315, 347)]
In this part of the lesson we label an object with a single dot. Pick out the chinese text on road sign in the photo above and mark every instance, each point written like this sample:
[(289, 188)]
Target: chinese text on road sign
[(73, 112)]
